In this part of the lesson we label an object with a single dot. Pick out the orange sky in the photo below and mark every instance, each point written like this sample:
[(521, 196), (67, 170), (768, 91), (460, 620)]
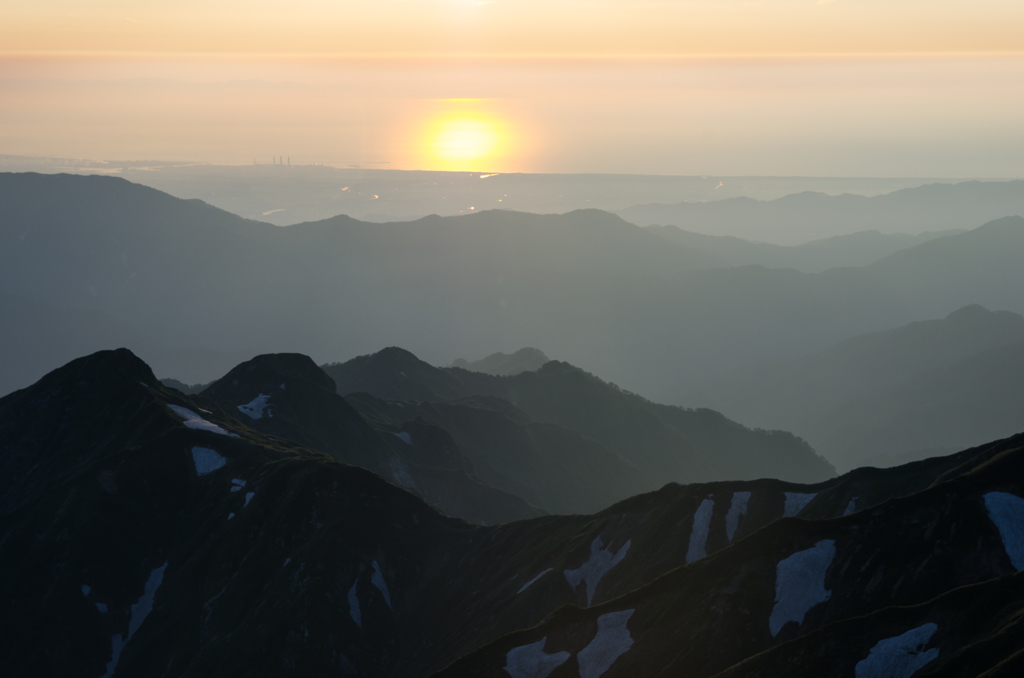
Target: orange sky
[(730, 87), (520, 27)]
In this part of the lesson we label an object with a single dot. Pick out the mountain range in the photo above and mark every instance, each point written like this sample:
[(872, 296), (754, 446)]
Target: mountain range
[(928, 388), (198, 284), (840, 251), (90, 262), (802, 217), (504, 364), (664, 443), (150, 532)]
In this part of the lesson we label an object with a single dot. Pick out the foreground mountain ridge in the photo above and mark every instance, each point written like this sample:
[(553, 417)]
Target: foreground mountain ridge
[(151, 532)]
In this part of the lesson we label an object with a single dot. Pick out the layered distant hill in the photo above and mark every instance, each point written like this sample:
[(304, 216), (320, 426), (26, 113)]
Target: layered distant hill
[(856, 249), (197, 290), (928, 387), (149, 532), (505, 364), (663, 443), (802, 217)]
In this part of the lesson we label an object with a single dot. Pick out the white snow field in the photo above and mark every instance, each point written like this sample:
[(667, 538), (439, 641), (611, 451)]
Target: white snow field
[(737, 509), (531, 661), (206, 460), (378, 580), (353, 605), (248, 498), (851, 507), (899, 657), (610, 643), (193, 420), (527, 584), (140, 610), (404, 437), (237, 484), (800, 584), (596, 567), (796, 502), (1007, 512), (254, 408), (699, 533)]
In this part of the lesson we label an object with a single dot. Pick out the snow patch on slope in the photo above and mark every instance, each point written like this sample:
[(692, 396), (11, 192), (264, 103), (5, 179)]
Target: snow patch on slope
[(527, 584), (800, 584), (353, 605), (140, 610), (737, 510), (531, 661), (248, 498), (378, 580), (404, 437), (796, 502), (851, 507), (193, 420), (400, 472), (254, 408), (899, 657), (600, 562), (206, 460), (699, 534), (610, 643), (1007, 512)]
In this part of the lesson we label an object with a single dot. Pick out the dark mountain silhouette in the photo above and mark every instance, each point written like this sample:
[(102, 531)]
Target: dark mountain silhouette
[(288, 396), (505, 364), (803, 217), (664, 443), (613, 298), (855, 249), (125, 538), (554, 468), (928, 387)]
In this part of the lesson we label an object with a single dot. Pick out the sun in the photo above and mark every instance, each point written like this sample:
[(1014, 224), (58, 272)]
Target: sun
[(464, 141)]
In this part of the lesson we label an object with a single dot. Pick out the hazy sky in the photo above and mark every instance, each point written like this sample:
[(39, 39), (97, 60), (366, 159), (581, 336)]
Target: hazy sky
[(781, 87)]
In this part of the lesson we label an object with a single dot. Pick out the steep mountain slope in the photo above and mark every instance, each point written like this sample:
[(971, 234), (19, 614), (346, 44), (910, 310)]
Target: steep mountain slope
[(795, 576), (802, 217), (551, 467), (855, 249), (504, 365), (288, 396), (665, 443), (147, 535), (124, 503), (889, 392)]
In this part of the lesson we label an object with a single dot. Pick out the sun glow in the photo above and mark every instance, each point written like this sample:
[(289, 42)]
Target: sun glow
[(464, 142)]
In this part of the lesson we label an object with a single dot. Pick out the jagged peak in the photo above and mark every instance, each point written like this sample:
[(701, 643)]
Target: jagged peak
[(276, 367)]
